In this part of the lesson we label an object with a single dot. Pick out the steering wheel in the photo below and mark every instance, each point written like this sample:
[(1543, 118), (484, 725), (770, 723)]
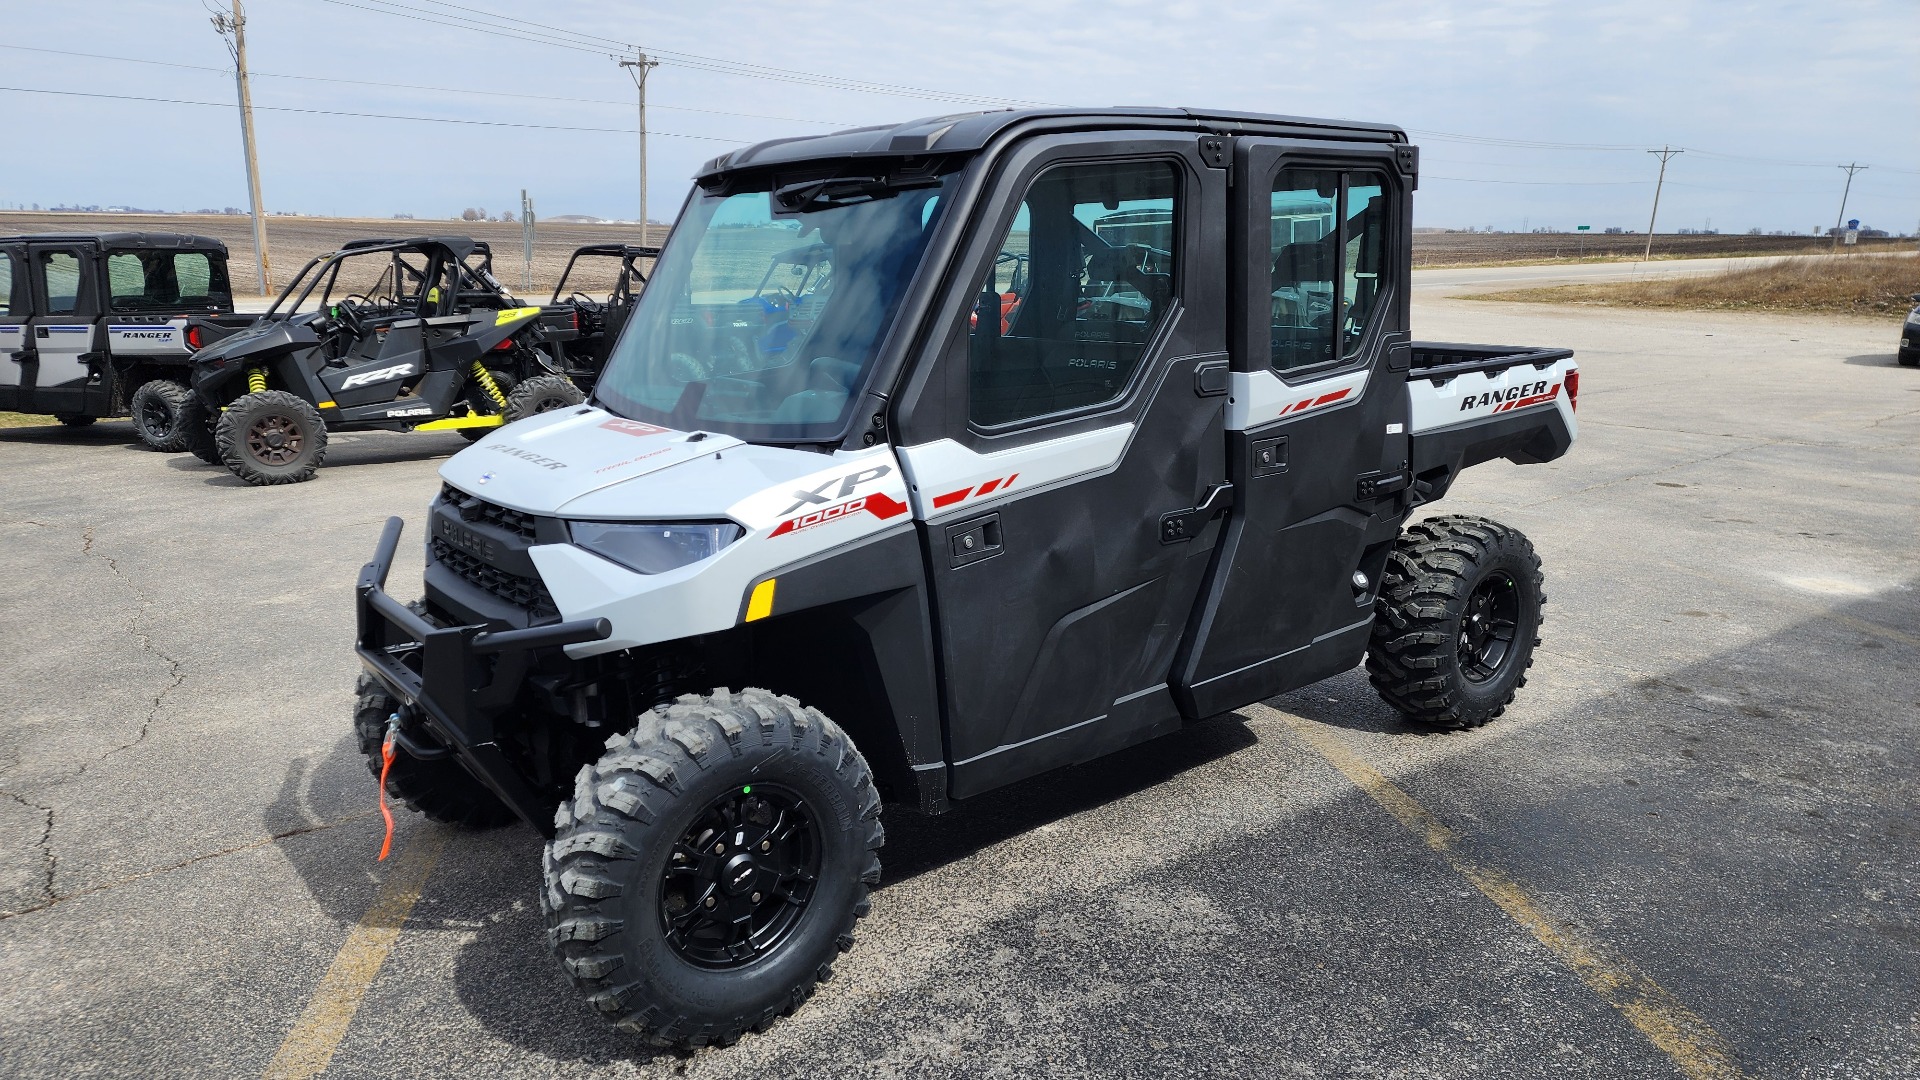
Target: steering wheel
[(583, 300), (348, 316)]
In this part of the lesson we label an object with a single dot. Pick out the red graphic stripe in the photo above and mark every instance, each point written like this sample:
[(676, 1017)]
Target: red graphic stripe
[(884, 507), (951, 497), (1536, 399)]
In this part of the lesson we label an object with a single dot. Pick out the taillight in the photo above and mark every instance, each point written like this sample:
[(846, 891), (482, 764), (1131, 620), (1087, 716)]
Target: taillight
[(1573, 390), (504, 346), (193, 337), (576, 318)]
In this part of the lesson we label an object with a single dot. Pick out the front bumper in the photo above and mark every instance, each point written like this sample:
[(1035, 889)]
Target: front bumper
[(456, 680)]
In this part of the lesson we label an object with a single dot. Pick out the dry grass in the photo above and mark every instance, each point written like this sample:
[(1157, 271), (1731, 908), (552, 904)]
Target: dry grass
[(1869, 285), (17, 420)]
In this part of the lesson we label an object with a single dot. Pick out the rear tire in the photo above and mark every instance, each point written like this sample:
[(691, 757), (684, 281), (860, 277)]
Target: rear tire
[(441, 790), (157, 406), (271, 437), (196, 431), (688, 934), (542, 393), (1456, 621)]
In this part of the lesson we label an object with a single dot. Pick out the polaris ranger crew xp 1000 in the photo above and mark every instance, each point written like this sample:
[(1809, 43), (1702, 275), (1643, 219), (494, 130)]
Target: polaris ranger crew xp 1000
[(396, 335), (1097, 423)]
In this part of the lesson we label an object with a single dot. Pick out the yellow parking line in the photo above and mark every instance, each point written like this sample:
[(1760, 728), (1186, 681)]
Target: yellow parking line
[(1865, 627), (1676, 1030), (324, 1022)]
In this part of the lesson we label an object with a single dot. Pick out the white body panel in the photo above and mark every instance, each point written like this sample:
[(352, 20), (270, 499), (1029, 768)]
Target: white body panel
[(585, 464), (13, 338), (147, 339), (60, 350), (1258, 398), (1483, 395), (949, 478)]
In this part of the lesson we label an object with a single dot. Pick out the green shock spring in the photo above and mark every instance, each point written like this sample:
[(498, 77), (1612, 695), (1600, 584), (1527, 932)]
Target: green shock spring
[(256, 381), (485, 378)]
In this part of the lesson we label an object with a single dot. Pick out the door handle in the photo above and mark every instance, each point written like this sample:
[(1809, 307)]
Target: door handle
[(973, 540)]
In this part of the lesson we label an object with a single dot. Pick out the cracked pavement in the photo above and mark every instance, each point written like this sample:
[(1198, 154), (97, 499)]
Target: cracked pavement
[(1712, 773)]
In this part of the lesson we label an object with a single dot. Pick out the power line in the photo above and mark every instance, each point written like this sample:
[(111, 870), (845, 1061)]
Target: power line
[(416, 86), (372, 116)]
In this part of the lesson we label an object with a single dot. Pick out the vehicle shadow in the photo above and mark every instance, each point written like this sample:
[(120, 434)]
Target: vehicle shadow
[(101, 434), (1885, 359)]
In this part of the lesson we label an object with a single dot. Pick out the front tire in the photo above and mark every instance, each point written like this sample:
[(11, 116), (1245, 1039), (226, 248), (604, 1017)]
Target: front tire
[(711, 866), (196, 430), (158, 407), (271, 437), (1456, 621), (441, 790), (542, 393)]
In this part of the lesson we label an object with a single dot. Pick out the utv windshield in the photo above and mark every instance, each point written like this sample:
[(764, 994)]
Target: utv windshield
[(762, 322)]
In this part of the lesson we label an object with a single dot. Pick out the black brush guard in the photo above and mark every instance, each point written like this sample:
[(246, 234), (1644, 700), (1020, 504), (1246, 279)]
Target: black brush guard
[(467, 676)]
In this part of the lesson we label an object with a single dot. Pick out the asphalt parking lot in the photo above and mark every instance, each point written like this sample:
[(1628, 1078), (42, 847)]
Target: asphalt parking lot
[(1691, 849)]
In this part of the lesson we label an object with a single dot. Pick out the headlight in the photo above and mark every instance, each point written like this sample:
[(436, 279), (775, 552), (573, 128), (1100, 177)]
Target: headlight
[(657, 547)]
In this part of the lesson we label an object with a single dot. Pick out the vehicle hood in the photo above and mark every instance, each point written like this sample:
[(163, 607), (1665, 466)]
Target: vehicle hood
[(588, 463)]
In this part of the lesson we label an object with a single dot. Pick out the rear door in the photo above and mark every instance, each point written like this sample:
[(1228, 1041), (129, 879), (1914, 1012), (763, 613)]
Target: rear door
[(16, 339), (1046, 439), (62, 375), (1317, 442)]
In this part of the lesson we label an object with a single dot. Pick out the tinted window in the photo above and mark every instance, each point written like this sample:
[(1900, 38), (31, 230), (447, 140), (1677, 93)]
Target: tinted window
[(153, 280), (6, 284), (61, 273), (1323, 231), (1365, 255), (1084, 275)]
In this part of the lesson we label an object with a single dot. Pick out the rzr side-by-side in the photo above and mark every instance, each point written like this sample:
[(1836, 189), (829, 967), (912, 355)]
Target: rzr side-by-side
[(600, 284), (931, 459), (394, 335)]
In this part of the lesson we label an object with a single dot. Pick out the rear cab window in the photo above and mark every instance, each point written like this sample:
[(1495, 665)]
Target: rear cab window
[(160, 280)]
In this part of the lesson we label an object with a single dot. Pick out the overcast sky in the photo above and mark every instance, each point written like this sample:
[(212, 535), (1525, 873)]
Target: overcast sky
[(1766, 97)]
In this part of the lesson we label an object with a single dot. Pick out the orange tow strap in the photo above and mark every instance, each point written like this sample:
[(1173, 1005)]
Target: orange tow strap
[(386, 763)]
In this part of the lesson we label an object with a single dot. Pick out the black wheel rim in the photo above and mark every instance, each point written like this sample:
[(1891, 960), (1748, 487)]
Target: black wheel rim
[(1488, 627), (740, 876), (274, 440), (155, 417)]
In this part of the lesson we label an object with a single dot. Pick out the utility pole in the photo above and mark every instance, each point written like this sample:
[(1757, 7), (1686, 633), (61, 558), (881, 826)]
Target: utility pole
[(526, 239), (638, 69), (233, 30), (1844, 192), (1664, 153)]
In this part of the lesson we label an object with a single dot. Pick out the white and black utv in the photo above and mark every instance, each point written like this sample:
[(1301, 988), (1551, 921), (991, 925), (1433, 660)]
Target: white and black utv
[(1088, 425), (394, 335), (102, 325)]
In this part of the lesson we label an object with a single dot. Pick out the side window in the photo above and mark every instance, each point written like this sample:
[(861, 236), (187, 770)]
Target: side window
[(137, 281), (6, 285), (1083, 277), (1326, 226), (201, 279), (1365, 257), (1305, 207), (60, 271)]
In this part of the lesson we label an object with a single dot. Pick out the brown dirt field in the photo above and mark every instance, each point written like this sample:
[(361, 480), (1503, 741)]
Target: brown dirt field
[(294, 240), (1875, 286), (1487, 249)]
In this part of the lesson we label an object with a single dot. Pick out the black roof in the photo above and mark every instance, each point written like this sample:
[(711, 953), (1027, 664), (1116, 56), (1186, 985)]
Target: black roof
[(962, 132), (169, 241)]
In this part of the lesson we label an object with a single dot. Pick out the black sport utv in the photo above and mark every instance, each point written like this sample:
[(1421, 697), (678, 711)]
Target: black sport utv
[(393, 335), (614, 269)]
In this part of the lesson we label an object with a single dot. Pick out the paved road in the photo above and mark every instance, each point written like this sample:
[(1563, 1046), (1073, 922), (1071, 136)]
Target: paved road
[(1465, 280), (1698, 821)]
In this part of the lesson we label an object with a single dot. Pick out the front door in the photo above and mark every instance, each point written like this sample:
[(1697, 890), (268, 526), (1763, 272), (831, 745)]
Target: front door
[(61, 376), (1071, 405), (1317, 429), (16, 340)]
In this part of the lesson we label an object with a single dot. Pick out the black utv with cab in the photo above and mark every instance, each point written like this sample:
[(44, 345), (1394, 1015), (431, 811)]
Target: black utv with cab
[(381, 335), (1170, 471), (600, 284)]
